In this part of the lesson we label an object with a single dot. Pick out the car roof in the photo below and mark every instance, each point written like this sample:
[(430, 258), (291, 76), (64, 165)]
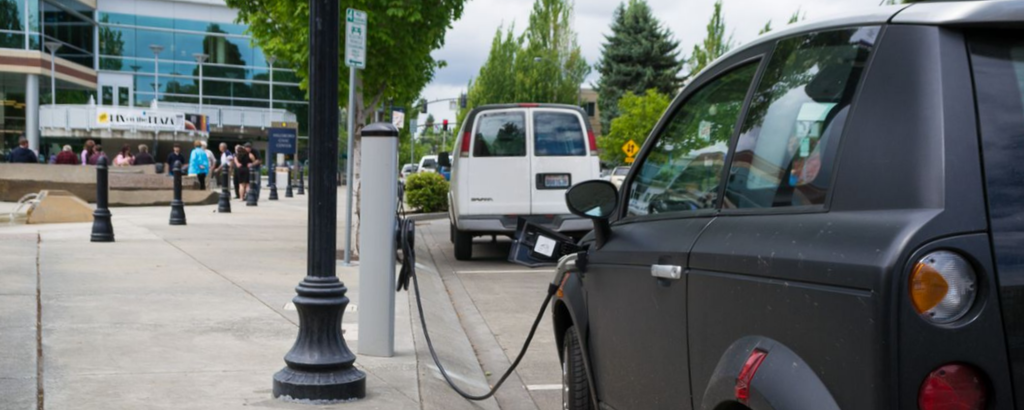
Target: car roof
[(930, 13)]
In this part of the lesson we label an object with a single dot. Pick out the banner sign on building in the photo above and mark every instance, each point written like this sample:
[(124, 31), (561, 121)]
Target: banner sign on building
[(127, 118), (197, 122), (282, 140)]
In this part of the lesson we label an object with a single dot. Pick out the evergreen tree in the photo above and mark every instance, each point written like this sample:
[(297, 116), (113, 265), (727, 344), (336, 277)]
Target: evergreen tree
[(639, 55), (550, 66), (715, 44), (795, 17)]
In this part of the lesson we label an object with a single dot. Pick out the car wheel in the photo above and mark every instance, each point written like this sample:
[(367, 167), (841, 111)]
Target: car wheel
[(463, 244), (575, 390), (451, 233)]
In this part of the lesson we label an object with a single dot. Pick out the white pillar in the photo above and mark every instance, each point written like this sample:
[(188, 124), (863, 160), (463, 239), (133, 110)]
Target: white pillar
[(377, 240), (32, 111)]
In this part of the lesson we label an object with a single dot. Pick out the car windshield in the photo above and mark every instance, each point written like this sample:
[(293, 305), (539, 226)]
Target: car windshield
[(429, 163)]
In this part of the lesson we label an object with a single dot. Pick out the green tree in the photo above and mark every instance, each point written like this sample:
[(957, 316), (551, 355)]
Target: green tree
[(400, 38), (550, 66), (796, 17), (638, 55), (496, 81), (638, 116), (715, 43)]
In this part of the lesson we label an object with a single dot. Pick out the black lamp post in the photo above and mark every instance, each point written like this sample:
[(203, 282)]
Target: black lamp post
[(177, 206), (102, 229), (224, 205), (320, 365), (272, 179)]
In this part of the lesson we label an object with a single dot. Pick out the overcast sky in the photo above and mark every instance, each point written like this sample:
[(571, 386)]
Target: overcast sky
[(468, 41)]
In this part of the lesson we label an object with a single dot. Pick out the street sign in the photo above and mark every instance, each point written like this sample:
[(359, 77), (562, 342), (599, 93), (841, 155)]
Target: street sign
[(631, 149), (398, 119), (282, 140), (355, 38)]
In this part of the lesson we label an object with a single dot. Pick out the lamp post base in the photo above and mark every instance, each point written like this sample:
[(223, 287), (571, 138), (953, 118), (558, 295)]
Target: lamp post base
[(177, 212), (320, 387), (102, 229)]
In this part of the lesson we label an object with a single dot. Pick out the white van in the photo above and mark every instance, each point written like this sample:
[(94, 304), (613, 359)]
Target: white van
[(428, 164), (517, 160)]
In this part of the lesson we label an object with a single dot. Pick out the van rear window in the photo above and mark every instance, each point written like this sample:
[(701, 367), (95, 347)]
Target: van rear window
[(500, 134), (558, 134)]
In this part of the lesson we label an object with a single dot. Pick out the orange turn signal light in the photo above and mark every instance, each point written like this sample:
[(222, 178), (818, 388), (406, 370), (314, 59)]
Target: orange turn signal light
[(927, 287)]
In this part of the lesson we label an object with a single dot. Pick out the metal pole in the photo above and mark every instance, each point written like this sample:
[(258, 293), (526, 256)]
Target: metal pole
[(348, 165), (320, 364), (177, 206), (102, 229), (53, 77), (224, 205), (156, 49), (200, 58)]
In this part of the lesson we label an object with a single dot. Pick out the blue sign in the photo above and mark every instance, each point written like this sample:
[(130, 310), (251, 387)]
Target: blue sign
[(282, 140)]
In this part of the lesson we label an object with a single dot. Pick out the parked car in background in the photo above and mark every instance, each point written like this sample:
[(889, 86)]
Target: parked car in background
[(408, 169), (517, 160), (828, 217), (618, 175), (427, 164)]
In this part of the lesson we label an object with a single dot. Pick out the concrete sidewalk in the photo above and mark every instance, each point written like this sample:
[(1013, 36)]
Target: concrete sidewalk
[(194, 317)]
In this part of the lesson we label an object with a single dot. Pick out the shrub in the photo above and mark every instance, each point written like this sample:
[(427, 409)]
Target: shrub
[(427, 191)]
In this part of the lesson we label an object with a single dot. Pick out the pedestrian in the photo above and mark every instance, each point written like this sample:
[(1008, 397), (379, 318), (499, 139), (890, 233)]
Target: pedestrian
[(199, 163), (227, 159), (125, 157), (87, 152), (67, 157), (173, 157), (254, 154), (22, 154), (243, 163), (212, 160), (144, 158), (97, 153)]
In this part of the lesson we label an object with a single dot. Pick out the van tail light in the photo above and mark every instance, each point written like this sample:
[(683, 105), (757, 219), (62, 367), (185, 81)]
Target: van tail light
[(464, 151), (747, 374), (953, 387), (592, 141), (943, 286)]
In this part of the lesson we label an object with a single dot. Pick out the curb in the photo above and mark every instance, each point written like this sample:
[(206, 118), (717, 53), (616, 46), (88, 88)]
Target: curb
[(427, 217)]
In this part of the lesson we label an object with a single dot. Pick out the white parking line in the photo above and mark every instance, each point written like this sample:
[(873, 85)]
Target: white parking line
[(544, 387), (506, 271)]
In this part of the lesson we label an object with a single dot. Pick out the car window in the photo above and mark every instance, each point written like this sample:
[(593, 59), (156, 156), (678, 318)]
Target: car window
[(682, 171), (621, 172), (787, 144), (429, 163), (558, 134), (500, 134)]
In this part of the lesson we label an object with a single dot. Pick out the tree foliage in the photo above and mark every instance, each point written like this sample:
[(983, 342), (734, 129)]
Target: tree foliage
[(638, 114), (795, 17), (427, 191), (715, 43), (543, 65), (638, 55)]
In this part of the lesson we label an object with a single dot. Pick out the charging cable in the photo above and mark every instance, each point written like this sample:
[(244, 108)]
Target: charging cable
[(407, 229)]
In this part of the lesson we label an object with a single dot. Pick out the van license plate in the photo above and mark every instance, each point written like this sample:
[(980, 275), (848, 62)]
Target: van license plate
[(555, 181)]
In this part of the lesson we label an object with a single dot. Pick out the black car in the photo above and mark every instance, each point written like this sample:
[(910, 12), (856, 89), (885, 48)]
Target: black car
[(831, 217)]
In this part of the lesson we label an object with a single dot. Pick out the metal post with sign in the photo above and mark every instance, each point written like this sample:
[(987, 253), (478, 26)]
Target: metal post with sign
[(355, 58)]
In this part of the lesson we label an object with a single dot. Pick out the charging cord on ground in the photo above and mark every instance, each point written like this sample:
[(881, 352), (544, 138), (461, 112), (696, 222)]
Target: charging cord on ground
[(407, 229)]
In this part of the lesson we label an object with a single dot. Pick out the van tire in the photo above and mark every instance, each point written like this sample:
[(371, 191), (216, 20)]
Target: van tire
[(451, 233), (575, 390), (463, 244)]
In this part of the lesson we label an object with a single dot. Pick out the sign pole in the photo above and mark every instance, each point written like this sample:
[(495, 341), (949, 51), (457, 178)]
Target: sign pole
[(348, 164)]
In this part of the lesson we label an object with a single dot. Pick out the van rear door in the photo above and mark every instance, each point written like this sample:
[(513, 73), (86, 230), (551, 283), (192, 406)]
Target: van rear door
[(560, 158), (498, 170)]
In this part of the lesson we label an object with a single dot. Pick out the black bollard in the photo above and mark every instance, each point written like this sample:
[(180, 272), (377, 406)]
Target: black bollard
[(288, 186), (272, 181), (250, 197), (224, 206), (302, 184), (259, 183), (177, 207), (102, 229)]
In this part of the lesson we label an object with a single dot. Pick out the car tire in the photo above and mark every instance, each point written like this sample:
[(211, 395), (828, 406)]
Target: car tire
[(451, 232), (575, 390), (463, 244)]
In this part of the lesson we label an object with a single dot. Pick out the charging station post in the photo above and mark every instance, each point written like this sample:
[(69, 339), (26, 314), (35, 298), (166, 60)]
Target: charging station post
[(378, 204)]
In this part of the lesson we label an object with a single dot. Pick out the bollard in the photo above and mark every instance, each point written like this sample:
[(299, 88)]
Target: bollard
[(102, 229), (259, 183), (377, 240), (250, 197), (288, 187), (177, 207), (302, 178), (272, 181), (224, 206)]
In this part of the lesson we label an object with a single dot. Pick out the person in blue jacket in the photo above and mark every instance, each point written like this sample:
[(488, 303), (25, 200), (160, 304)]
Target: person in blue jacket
[(23, 154), (199, 163)]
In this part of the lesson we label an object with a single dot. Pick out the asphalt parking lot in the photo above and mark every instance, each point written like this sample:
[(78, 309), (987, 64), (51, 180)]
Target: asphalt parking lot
[(497, 301)]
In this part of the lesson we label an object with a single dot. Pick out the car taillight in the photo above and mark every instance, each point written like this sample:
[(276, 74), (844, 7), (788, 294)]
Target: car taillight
[(592, 141), (943, 287), (464, 152), (953, 387), (747, 374)]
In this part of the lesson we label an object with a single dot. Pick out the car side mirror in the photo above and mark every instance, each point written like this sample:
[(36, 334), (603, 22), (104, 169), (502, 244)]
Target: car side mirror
[(444, 160), (595, 200)]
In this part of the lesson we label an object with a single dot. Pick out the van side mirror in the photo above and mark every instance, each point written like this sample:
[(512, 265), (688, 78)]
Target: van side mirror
[(444, 160), (595, 200)]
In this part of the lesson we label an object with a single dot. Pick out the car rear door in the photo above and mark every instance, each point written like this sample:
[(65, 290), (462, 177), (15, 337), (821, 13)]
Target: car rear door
[(497, 171), (560, 157), (636, 282)]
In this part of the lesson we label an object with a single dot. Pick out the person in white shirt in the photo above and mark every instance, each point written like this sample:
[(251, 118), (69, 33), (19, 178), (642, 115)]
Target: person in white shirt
[(213, 160), (226, 159)]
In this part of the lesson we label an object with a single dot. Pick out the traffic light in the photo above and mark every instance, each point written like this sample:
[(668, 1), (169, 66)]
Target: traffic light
[(423, 106), (444, 125), (462, 101)]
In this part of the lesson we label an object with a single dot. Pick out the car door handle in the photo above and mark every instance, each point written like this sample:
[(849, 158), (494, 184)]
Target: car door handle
[(666, 271)]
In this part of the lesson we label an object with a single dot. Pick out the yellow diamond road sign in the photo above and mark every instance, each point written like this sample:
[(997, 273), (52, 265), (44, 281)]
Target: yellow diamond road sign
[(630, 148)]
